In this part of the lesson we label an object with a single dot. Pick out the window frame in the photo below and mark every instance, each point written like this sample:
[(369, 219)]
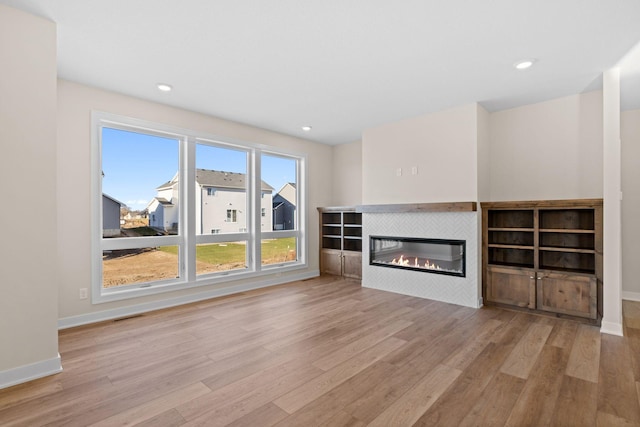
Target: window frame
[(187, 239)]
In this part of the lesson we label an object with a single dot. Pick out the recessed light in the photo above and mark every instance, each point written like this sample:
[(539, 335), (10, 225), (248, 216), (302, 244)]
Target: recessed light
[(306, 128), (164, 87), (524, 64)]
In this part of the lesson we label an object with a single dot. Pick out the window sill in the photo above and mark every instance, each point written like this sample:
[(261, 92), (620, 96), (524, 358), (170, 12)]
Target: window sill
[(276, 270)]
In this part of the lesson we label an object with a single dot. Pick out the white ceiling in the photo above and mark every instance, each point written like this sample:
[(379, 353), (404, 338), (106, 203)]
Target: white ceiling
[(341, 66)]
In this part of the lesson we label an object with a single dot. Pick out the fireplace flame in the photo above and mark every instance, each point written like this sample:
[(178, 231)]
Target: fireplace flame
[(428, 264)]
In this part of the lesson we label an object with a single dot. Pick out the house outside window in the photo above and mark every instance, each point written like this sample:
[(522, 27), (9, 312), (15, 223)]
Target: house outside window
[(191, 239)]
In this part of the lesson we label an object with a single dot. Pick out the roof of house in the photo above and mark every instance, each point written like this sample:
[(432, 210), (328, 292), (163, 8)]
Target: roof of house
[(163, 201), (167, 184), (286, 193), (211, 178), (220, 179), (115, 200)]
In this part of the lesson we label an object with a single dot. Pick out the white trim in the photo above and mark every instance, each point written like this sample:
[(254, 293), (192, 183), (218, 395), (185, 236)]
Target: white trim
[(631, 296), (84, 319), (187, 237), (33, 371), (611, 328)]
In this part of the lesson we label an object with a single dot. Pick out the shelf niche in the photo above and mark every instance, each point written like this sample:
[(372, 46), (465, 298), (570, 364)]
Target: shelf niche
[(544, 256)]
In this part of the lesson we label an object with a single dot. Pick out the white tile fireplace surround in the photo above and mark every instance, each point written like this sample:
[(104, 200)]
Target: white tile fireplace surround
[(464, 291)]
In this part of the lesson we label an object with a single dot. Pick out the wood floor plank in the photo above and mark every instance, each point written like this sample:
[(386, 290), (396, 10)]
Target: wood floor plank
[(57, 405), (455, 365), (32, 390), (631, 312), (536, 403), (577, 403), (320, 385), (608, 420), (343, 419), (170, 418), (265, 416), (526, 352), (459, 399), (276, 380), (421, 357), (616, 386), (495, 405), (564, 334), (321, 410), (410, 407), (155, 407), (355, 347), (633, 339), (467, 353), (125, 396), (585, 354)]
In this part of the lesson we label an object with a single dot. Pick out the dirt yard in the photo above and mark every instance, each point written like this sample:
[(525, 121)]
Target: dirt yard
[(129, 267)]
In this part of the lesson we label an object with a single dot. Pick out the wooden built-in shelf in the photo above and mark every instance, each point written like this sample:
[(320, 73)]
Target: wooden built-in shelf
[(419, 207), (495, 245), (341, 243), (544, 256)]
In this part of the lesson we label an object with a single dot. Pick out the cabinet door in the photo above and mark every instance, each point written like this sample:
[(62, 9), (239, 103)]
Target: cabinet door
[(513, 286), (352, 265), (331, 261), (567, 294)]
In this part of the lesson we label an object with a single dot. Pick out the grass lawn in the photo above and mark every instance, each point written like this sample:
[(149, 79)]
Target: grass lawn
[(273, 251)]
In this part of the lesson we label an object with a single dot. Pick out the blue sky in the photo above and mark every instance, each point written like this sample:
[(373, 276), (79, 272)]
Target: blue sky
[(135, 164)]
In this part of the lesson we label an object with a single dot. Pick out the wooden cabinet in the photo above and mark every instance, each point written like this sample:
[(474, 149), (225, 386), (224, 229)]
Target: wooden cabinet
[(544, 255), (571, 294), (341, 241), (513, 286)]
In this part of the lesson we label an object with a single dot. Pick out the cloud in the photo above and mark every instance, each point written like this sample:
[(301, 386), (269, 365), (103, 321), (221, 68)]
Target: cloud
[(135, 203)]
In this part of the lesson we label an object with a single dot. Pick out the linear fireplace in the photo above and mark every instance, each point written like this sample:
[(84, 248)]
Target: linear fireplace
[(440, 256)]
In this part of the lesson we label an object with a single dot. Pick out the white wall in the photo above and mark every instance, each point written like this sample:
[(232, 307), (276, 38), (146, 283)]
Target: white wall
[(28, 254), (549, 150), (630, 135), (443, 147), (612, 208), (484, 154), (75, 103), (347, 174)]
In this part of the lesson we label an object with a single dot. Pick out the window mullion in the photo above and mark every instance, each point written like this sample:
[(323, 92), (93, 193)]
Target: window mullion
[(188, 184), (256, 202)]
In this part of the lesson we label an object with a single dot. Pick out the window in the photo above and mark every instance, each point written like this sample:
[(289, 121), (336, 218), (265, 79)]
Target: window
[(183, 237), (281, 245)]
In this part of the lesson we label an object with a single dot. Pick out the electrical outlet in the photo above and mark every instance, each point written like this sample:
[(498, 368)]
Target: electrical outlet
[(414, 170), (399, 172), (83, 293)]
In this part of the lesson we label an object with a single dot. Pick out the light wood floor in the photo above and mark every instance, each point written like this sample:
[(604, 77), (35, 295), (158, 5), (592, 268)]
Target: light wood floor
[(327, 352)]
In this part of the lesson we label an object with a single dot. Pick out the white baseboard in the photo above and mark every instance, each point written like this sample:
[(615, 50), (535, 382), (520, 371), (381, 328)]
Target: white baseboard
[(30, 372), (85, 319), (631, 296), (611, 328)]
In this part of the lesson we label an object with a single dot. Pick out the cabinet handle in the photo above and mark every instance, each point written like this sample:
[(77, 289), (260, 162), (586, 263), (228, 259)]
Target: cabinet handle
[(531, 277)]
